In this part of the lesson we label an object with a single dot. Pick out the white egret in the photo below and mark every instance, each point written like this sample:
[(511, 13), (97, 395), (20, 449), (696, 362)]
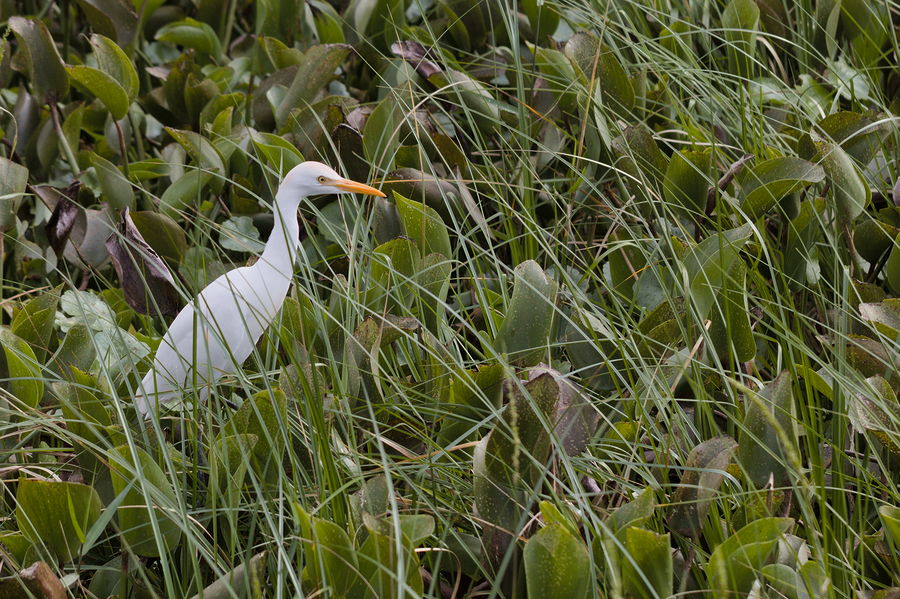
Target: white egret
[(215, 333)]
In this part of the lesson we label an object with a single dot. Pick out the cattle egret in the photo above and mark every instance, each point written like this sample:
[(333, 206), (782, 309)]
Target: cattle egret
[(215, 333)]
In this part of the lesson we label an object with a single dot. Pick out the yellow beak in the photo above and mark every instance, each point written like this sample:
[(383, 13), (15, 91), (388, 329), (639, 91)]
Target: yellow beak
[(348, 185)]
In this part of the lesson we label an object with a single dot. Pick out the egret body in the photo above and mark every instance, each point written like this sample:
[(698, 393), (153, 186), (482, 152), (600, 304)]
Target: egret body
[(214, 334)]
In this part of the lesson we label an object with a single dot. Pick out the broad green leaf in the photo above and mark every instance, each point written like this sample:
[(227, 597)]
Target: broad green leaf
[(76, 349), (641, 157), (163, 234), (599, 65), (890, 518), (381, 133), (103, 87), (525, 332), (379, 562), (57, 515), (239, 235), (542, 16), (113, 61), (247, 579), (648, 556), (13, 180), (704, 471), (34, 323), (394, 267), (634, 513), (149, 497), (20, 370), (884, 316), (46, 71), (434, 280), (768, 413), (709, 263), (470, 94), (876, 411), (116, 18), (318, 68), (731, 333), (200, 149), (278, 152), (740, 20), (264, 415), (183, 192), (738, 560), (557, 565), (769, 181), (424, 226), (849, 189), (117, 189), (192, 34), (875, 236), (892, 267), (687, 180)]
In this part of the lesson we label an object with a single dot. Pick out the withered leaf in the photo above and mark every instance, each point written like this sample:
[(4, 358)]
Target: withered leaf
[(146, 280)]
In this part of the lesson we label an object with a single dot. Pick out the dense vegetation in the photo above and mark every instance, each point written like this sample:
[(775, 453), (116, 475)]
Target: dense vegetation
[(627, 324)]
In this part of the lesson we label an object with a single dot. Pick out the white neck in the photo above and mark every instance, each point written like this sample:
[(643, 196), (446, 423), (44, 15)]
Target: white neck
[(281, 248)]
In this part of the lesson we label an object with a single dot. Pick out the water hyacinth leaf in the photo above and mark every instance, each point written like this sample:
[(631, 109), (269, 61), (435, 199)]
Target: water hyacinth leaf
[(228, 461), (115, 18), (46, 71), (192, 34), (704, 471), (709, 263), (809, 582), (761, 452), (183, 192), (600, 64), (419, 186), (635, 513), (57, 515), (318, 68), (238, 234), (103, 87), (20, 370), (557, 564), (542, 16), (649, 557), (525, 332), (769, 181), (279, 153), (641, 155), (263, 415), (379, 561), (434, 280), (424, 226), (116, 188), (247, 579), (892, 267), (135, 473), (13, 180), (380, 135), (876, 412), (470, 94), (331, 557), (575, 418), (34, 323), (163, 234), (280, 54), (146, 280), (737, 561), (890, 519), (200, 149), (875, 236), (113, 61), (884, 316), (76, 349), (848, 187), (394, 267), (731, 333), (687, 179), (741, 21)]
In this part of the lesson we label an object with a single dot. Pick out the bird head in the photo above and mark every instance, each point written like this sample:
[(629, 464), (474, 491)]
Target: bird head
[(314, 178)]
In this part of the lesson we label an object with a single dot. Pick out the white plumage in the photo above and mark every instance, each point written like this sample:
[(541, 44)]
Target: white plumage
[(215, 333)]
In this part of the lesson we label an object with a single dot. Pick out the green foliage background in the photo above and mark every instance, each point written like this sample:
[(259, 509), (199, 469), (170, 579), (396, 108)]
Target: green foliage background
[(627, 324)]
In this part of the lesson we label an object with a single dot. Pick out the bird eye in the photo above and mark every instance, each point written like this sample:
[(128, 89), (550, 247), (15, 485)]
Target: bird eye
[(321, 179)]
